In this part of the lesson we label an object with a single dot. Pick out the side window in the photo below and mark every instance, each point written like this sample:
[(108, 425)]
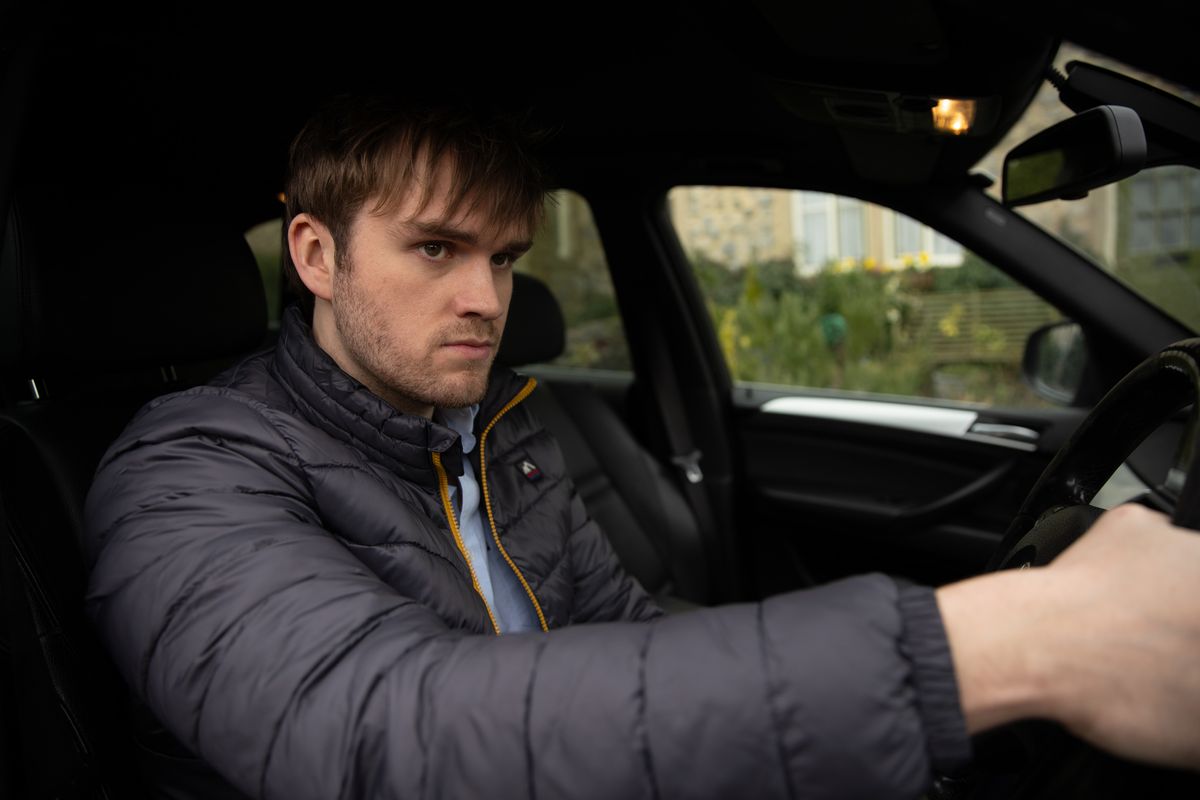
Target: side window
[(568, 258), (266, 242), (814, 290)]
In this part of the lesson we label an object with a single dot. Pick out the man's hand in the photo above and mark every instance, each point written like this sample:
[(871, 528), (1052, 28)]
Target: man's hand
[(1105, 640)]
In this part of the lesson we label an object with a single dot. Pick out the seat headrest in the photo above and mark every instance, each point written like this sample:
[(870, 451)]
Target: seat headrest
[(108, 289), (535, 331)]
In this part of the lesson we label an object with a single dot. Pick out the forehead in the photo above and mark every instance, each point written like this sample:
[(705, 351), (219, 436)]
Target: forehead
[(436, 196)]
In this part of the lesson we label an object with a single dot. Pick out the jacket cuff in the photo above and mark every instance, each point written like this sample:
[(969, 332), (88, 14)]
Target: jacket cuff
[(925, 646)]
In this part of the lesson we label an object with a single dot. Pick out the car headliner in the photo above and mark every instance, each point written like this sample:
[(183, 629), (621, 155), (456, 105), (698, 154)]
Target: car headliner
[(676, 92)]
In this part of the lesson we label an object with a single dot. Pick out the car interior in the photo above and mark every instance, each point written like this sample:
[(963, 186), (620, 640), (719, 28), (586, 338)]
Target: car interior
[(137, 153), (648, 520)]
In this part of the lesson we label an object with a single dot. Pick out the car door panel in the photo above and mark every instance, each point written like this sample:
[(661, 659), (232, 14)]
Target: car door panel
[(842, 485)]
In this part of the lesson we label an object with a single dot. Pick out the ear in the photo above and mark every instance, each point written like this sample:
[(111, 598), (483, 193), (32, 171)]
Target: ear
[(313, 253)]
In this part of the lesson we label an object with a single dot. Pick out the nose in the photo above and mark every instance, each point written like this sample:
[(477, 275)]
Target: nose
[(477, 291)]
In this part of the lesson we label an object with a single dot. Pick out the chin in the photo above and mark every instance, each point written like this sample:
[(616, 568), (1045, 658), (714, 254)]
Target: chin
[(467, 393)]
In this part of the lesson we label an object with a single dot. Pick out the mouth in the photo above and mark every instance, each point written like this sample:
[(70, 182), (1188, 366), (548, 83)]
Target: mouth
[(471, 348)]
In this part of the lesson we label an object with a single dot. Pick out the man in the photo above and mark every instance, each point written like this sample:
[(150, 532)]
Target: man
[(301, 568)]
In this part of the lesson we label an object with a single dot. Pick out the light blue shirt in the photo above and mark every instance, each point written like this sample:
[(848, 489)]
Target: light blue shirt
[(499, 584)]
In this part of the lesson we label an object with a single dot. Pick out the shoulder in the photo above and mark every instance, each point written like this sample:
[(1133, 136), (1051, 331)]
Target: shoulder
[(214, 413), (206, 441), (246, 403)]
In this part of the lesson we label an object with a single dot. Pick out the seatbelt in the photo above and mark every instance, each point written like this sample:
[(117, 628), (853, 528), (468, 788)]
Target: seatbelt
[(685, 455)]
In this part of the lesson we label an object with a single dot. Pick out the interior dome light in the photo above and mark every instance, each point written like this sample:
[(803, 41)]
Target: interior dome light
[(953, 116)]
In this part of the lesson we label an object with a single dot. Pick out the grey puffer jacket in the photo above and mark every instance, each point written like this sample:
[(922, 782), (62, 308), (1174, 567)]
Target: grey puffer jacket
[(276, 576)]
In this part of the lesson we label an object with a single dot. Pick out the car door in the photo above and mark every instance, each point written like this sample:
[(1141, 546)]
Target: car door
[(880, 420)]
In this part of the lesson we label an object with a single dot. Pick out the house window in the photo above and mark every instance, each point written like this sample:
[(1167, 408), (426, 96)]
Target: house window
[(1163, 211)]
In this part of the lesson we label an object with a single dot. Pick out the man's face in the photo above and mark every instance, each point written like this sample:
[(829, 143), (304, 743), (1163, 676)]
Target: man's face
[(419, 301)]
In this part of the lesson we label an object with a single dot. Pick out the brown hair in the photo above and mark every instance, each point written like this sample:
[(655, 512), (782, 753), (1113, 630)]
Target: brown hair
[(355, 149)]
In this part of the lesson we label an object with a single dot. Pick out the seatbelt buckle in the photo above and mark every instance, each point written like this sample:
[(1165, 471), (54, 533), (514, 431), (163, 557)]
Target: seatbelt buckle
[(690, 465)]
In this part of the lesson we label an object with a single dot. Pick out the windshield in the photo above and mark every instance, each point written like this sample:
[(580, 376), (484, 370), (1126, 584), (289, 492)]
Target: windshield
[(1145, 230)]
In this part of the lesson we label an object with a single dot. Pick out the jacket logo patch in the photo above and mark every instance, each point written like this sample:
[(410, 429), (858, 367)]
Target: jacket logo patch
[(530, 470)]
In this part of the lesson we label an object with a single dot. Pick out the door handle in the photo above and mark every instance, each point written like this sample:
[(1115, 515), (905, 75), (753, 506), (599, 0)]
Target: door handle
[(1002, 431)]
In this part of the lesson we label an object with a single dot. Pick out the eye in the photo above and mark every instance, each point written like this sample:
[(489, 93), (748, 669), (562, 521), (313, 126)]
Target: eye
[(503, 260), (435, 251)]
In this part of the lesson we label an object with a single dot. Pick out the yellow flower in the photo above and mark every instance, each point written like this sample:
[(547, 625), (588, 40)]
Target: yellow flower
[(948, 324)]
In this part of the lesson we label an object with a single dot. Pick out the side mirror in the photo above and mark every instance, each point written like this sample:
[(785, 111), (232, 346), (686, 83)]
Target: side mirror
[(1056, 356), (1100, 146)]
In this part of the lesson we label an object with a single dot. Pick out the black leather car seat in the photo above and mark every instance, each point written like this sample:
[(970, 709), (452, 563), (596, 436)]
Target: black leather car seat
[(625, 489), (103, 318)]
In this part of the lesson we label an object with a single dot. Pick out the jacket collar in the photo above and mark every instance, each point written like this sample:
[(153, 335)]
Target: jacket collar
[(346, 410)]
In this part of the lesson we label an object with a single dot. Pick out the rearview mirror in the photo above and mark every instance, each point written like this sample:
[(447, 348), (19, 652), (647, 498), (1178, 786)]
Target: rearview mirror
[(1099, 146)]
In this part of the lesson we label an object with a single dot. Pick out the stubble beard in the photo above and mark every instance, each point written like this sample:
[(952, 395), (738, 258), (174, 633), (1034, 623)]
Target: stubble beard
[(403, 381)]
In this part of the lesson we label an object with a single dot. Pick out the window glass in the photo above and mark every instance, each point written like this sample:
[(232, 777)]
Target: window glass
[(891, 307), (852, 239), (568, 258), (908, 237), (266, 242), (1145, 230), (814, 231)]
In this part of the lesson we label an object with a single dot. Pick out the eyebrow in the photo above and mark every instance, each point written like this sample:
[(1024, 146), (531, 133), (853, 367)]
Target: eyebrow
[(440, 230)]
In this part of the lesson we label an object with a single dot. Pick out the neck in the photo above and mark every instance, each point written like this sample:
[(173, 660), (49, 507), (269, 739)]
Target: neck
[(325, 334)]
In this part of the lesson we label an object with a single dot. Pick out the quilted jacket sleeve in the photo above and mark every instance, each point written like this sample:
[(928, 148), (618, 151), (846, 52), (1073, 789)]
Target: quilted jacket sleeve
[(263, 645)]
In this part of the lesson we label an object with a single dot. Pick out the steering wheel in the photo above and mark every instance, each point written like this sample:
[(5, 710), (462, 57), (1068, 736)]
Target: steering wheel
[(1056, 512)]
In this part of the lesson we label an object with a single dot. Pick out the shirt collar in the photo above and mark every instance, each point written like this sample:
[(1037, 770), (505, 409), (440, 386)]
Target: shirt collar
[(462, 422)]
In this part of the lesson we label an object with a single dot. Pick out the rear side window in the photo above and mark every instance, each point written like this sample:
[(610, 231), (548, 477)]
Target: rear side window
[(266, 242), (807, 289), (567, 257)]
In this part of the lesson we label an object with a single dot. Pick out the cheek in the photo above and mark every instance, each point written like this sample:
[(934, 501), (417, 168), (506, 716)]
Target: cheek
[(392, 301), (411, 321), (504, 289)]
